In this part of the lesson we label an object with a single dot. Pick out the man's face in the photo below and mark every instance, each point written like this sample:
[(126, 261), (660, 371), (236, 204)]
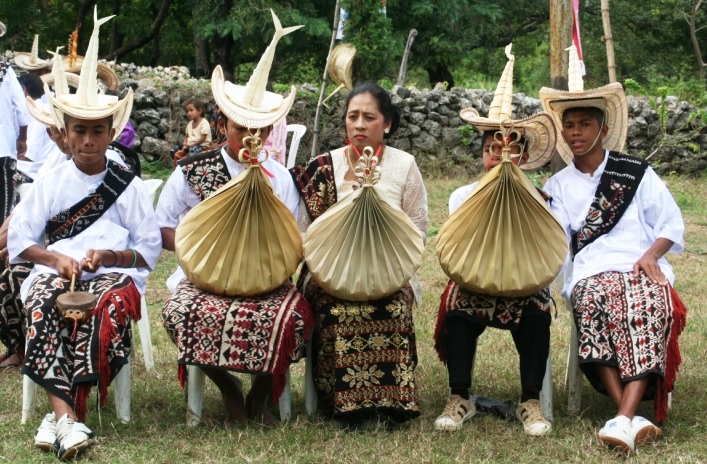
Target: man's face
[(582, 131), (491, 162), (236, 133), (58, 139), (88, 141)]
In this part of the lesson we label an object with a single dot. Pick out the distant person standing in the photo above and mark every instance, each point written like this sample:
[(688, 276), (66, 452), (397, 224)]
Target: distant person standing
[(13, 131)]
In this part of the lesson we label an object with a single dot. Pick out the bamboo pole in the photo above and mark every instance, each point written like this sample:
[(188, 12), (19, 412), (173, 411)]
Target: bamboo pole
[(609, 40), (325, 80), (404, 64)]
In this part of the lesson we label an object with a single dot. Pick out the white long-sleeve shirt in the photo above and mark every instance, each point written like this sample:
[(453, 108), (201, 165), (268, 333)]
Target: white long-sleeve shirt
[(129, 223), (40, 148), (177, 198), (13, 113), (652, 214)]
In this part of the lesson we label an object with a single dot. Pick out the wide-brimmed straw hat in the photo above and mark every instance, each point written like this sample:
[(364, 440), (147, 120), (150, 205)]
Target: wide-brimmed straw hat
[(3, 29), (105, 73), (251, 105), (31, 61), (538, 129), (87, 102), (340, 66), (611, 99)]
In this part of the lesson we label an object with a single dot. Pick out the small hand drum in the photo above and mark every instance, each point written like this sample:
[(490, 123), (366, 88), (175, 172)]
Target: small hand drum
[(76, 306)]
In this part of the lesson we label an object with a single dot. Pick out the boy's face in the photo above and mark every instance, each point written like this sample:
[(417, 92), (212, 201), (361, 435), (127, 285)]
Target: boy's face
[(582, 131), (236, 133), (491, 162), (88, 141)]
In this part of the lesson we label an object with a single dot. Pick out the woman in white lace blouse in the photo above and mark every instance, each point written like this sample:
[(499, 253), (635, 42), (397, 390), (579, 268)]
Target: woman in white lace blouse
[(364, 352)]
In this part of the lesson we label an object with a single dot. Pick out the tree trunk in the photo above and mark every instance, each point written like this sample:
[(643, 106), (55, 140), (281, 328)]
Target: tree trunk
[(560, 38), (156, 52), (222, 47), (81, 21), (404, 63), (696, 4), (116, 37), (608, 38), (440, 73), (142, 41), (201, 57)]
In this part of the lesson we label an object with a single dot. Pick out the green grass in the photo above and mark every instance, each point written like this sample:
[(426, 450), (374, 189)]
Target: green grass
[(157, 432)]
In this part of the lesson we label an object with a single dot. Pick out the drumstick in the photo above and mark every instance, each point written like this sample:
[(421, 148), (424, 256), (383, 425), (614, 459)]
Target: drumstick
[(73, 281)]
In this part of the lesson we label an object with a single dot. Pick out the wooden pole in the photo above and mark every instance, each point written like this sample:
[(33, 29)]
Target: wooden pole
[(325, 80), (561, 19), (608, 38), (404, 64)]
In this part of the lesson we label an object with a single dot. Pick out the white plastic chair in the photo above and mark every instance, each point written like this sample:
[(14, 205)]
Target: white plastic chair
[(195, 392), (298, 131), (121, 383)]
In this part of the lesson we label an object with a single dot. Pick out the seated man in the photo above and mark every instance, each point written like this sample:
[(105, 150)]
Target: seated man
[(102, 233), (464, 315), (621, 220), (256, 335)]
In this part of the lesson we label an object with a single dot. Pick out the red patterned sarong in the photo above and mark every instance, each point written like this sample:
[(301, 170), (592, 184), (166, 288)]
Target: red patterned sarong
[(253, 335), (632, 324)]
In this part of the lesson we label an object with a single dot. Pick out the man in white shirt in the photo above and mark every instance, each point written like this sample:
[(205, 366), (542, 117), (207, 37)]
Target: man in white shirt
[(621, 220)]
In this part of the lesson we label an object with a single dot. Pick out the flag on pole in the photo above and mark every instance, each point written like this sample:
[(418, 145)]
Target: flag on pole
[(576, 38)]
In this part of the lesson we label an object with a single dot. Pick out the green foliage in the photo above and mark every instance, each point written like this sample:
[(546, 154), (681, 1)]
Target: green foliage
[(369, 30), (468, 134)]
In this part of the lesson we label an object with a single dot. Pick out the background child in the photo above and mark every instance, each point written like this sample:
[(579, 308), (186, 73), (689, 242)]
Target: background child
[(198, 131)]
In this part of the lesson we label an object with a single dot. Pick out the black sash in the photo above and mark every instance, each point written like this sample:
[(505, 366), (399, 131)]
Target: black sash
[(3, 70), (205, 173), (617, 187), (79, 217)]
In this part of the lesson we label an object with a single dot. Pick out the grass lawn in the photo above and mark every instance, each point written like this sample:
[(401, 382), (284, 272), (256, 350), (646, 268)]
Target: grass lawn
[(157, 432)]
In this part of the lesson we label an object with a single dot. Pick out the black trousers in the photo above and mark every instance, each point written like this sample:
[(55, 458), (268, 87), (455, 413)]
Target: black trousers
[(531, 337)]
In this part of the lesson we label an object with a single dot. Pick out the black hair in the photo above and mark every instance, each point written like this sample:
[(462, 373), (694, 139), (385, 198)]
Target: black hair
[(490, 133), (66, 120), (34, 85), (390, 112), (591, 111), (198, 104)]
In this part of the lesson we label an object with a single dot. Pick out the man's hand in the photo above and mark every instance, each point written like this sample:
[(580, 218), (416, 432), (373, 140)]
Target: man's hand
[(66, 266), (649, 264), (92, 261), (21, 149)]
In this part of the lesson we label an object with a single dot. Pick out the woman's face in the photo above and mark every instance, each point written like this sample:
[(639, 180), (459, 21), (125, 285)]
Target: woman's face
[(365, 124)]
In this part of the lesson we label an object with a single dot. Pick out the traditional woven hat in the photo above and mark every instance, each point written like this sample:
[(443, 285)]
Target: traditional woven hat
[(503, 240), (340, 64), (364, 247), (538, 129), (87, 102), (611, 99), (251, 105), (104, 72), (3, 29), (41, 111), (30, 61)]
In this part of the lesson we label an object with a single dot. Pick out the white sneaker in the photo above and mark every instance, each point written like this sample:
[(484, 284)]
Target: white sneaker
[(45, 436), (644, 431), (455, 413), (617, 433), (73, 437), (531, 415)]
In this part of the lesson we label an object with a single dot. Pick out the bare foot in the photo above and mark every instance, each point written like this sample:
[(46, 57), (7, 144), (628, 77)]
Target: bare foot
[(259, 412), (10, 361), (234, 402)]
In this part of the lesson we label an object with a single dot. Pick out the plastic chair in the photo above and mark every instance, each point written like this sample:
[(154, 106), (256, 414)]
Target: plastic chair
[(195, 392), (121, 383), (298, 130)]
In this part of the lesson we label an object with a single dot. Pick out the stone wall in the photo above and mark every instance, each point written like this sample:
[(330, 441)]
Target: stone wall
[(430, 125)]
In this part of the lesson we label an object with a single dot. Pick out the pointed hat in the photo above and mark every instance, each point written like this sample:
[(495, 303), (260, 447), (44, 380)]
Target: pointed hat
[(30, 61), (538, 129), (87, 102), (611, 99), (251, 105)]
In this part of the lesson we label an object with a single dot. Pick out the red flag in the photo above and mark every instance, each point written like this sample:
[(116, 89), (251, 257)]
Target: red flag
[(576, 38)]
